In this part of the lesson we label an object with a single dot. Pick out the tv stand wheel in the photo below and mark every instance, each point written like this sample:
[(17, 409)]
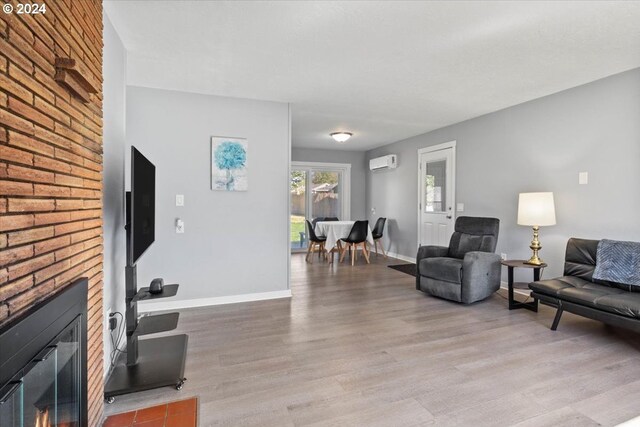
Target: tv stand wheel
[(110, 399), (180, 384)]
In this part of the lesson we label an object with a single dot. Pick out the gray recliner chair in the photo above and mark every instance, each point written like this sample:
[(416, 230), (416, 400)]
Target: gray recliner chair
[(468, 270)]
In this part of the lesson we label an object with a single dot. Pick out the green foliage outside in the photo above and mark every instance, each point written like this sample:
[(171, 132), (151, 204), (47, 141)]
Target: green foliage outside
[(297, 226)]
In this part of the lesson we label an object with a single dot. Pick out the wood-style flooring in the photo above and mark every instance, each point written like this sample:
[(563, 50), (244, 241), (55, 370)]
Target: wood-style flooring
[(359, 346)]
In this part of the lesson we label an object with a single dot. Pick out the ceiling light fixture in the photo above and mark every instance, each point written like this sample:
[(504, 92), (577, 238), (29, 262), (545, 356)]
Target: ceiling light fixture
[(341, 136)]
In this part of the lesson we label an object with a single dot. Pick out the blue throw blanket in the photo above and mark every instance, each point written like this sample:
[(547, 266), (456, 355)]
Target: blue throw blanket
[(618, 261)]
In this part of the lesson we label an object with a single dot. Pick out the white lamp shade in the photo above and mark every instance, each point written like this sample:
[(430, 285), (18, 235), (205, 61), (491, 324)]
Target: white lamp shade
[(536, 209)]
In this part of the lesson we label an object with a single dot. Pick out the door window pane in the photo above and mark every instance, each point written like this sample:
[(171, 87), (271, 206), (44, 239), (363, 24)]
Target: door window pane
[(325, 194), (298, 208), (435, 186)]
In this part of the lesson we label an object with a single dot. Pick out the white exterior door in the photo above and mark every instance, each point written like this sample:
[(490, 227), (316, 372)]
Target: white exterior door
[(436, 186)]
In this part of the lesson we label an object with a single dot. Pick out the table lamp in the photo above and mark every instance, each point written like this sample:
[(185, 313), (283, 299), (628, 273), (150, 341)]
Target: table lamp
[(536, 210)]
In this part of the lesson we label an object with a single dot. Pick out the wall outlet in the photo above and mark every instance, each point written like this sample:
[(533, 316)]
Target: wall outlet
[(503, 256), (179, 199), (459, 207), (583, 178)]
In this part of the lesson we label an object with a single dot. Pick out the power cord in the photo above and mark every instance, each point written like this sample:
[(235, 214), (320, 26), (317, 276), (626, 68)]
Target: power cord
[(115, 344)]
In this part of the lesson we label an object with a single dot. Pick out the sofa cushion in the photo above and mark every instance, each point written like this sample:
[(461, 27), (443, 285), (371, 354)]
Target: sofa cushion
[(553, 286), (588, 294), (442, 268), (623, 303)]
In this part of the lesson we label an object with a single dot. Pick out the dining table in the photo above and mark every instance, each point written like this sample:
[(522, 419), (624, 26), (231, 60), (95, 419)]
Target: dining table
[(336, 230)]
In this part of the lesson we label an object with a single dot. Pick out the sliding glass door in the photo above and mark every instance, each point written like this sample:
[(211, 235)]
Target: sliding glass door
[(317, 190)]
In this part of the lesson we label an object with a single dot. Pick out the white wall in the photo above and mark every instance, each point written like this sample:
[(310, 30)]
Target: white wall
[(540, 145), (235, 243), (359, 168), (114, 72)]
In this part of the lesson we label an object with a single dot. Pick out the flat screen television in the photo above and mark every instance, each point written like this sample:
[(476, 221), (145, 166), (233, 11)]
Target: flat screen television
[(141, 206)]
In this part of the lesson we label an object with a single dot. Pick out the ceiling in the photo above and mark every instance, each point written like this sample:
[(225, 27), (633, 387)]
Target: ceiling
[(382, 70)]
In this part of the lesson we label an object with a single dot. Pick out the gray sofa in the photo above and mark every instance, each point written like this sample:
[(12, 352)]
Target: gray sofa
[(579, 293), (467, 270)]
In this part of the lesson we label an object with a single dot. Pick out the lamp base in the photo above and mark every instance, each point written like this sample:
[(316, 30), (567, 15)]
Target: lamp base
[(535, 247), (534, 260)]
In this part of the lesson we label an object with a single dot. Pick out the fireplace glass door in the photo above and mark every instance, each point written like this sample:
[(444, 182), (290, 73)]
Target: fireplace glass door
[(48, 394)]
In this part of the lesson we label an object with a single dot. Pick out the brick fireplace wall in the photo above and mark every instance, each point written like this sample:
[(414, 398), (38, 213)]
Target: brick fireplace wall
[(51, 167)]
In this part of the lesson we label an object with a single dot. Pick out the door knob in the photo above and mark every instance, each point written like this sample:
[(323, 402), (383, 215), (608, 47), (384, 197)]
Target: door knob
[(448, 216)]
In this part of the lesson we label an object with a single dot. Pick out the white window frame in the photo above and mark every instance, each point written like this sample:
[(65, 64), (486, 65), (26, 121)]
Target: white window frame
[(343, 168)]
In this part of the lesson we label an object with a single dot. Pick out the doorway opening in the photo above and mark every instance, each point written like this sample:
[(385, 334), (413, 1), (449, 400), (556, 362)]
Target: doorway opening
[(317, 190)]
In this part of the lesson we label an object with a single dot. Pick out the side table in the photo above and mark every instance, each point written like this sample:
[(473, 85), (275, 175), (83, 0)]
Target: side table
[(518, 263)]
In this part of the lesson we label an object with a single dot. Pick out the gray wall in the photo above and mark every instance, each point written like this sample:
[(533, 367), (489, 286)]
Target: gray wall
[(234, 242), (359, 168), (540, 145), (114, 71)]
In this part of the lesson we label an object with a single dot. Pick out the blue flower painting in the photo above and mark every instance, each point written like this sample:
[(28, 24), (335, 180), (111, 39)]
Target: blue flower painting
[(229, 164)]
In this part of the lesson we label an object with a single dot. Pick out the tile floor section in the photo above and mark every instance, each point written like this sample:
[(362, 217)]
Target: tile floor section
[(182, 413)]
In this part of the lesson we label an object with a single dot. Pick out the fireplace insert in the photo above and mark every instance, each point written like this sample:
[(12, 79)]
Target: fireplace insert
[(43, 363)]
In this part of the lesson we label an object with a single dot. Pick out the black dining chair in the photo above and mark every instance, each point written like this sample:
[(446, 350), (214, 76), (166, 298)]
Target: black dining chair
[(357, 237), (314, 241), (331, 218), (314, 221), (377, 233)]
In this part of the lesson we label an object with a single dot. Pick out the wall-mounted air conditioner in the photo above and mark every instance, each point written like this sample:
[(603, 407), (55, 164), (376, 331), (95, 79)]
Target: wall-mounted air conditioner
[(384, 162)]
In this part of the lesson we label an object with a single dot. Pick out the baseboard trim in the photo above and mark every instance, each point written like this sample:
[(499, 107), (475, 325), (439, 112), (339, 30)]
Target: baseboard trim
[(204, 302), (402, 257)]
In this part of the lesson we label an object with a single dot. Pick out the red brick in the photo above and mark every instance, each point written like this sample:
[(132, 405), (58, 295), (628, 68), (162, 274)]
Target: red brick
[(16, 222), (72, 181), (28, 81), (51, 190), (52, 111), (11, 256), (92, 204), (15, 188), (28, 143), (69, 205), (51, 244), (53, 270), (52, 218), (15, 56), (29, 266), (68, 157), (15, 89), (14, 288), (31, 235), (13, 121), (68, 227), (52, 138), (9, 154), (83, 193), (30, 114), (28, 174), (26, 47), (31, 205), (51, 164), (84, 214), (30, 297)]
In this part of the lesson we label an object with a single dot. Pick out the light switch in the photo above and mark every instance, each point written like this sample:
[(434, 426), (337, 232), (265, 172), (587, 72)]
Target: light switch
[(179, 226), (179, 199), (583, 178), (459, 207)]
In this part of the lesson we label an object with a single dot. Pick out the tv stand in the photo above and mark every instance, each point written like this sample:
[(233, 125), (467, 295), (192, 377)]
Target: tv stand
[(150, 362)]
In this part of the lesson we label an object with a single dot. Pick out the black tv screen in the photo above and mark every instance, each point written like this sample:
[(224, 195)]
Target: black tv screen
[(143, 205)]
